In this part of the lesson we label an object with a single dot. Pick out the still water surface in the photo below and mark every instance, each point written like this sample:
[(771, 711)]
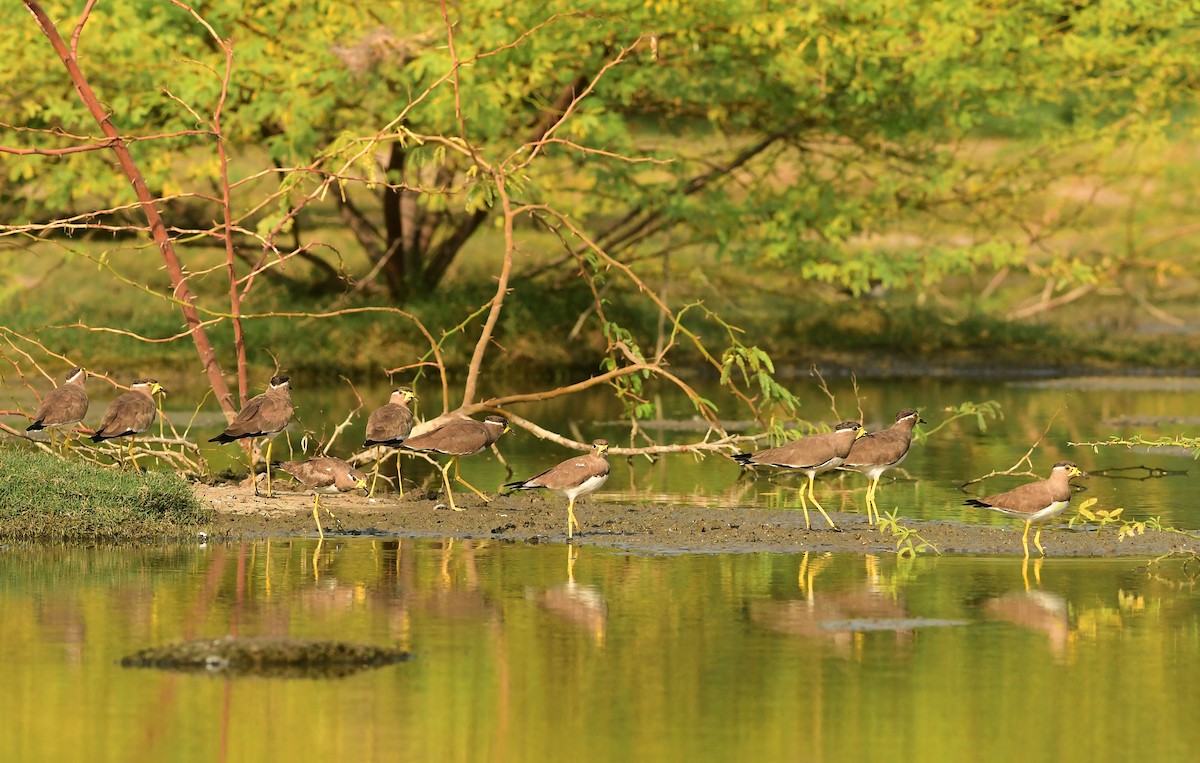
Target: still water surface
[(645, 657), (624, 657)]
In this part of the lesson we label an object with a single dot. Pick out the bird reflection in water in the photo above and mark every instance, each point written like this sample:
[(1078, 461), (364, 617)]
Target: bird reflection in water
[(579, 605)]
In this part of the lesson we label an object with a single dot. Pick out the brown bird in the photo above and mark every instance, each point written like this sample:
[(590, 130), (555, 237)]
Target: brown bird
[(264, 415), (389, 425), (875, 454), (810, 455), (457, 438), (573, 478), (63, 406), (130, 414), (325, 474), (1036, 503)]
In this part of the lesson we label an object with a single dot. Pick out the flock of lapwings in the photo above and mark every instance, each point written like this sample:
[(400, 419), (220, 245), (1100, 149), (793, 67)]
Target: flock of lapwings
[(848, 446)]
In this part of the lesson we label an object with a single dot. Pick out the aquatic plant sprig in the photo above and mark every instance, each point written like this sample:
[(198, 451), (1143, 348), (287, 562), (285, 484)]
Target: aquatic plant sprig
[(909, 542)]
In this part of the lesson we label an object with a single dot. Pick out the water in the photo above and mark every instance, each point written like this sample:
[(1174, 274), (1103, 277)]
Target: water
[(622, 657), (644, 657)]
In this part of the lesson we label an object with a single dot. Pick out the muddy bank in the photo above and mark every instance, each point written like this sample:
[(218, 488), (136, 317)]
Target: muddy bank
[(657, 528)]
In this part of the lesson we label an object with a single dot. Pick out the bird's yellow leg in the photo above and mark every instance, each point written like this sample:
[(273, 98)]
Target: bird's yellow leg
[(1037, 540), (571, 523), (399, 477), (812, 497), (873, 500), (471, 487), (446, 481), (374, 479), (317, 517), (270, 445), (1025, 540), (804, 506), (133, 456)]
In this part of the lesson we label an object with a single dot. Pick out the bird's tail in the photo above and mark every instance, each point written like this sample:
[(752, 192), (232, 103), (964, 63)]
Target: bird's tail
[(34, 427), (976, 502), (511, 487), (743, 458), (223, 438)]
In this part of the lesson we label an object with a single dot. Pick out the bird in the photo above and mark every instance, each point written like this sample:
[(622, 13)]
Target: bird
[(64, 406), (325, 474), (573, 478), (388, 425), (810, 455), (264, 415), (457, 438), (130, 414), (875, 454), (1035, 502)]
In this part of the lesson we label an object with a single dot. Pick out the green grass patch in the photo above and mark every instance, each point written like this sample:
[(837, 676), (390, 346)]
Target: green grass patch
[(43, 497)]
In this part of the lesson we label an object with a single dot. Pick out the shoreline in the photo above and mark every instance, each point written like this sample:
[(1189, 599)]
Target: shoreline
[(650, 528)]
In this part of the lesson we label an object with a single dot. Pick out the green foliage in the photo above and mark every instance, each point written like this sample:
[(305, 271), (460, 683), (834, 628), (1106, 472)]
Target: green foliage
[(47, 498), (981, 412), (860, 131)]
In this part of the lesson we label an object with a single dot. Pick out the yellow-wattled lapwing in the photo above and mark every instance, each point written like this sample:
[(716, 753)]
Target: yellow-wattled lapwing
[(875, 454), (1037, 502), (389, 425), (63, 406), (328, 475), (264, 415), (809, 455), (573, 478), (458, 438), (130, 414)]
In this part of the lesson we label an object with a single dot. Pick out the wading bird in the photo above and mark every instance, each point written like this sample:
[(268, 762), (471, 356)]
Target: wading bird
[(129, 415), (1036, 503), (573, 478), (64, 406), (458, 438), (264, 415), (388, 425), (328, 475), (811, 456), (875, 454)]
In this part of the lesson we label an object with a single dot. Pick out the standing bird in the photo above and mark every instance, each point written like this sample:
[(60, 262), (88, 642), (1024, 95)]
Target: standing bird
[(573, 478), (130, 414), (880, 451), (1036, 503), (264, 415), (63, 406), (457, 438), (388, 425), (811, 455), (325, 474)]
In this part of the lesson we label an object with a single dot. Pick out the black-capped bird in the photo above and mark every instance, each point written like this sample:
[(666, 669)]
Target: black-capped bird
[(130, 414), (809, 455), (389, 425), (325, 475), (264, 415), (1036, 502), (573, 478), (458, 438), (63, 406), (882, 450)]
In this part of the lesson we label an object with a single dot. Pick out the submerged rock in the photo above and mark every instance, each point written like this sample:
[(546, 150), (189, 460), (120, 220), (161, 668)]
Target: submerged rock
[(270, 657)]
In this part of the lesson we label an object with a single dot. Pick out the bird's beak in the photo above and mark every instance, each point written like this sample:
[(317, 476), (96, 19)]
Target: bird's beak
[(362, 485), (861, 433), (157, 388), (1077, 472)]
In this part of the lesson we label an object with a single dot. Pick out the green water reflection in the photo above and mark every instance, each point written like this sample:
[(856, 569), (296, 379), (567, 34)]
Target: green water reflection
[(622, 657)]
